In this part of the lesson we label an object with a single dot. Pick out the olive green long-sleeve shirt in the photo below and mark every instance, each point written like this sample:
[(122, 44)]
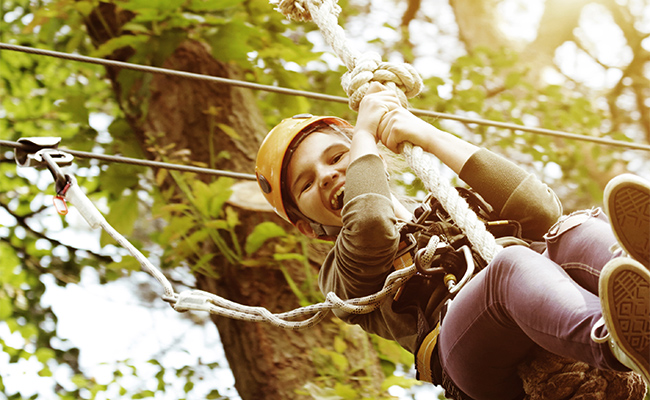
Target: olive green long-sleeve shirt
[(365, 249)]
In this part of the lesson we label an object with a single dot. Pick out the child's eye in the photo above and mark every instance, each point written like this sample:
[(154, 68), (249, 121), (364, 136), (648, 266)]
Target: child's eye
[(305, 187), (337, 158)]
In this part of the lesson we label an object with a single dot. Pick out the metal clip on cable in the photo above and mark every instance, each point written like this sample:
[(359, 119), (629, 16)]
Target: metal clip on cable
[(43, 152)]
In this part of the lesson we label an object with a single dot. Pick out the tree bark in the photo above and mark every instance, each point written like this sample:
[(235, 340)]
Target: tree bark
[(267, 362), (476, 20)]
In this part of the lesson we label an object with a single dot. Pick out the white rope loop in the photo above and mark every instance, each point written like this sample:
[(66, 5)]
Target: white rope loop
[(370, 68), (198, 300), (430, 250)]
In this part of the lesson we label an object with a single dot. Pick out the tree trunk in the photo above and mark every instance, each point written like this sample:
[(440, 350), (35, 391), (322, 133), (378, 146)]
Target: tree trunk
[(267, 362), (476, 20)]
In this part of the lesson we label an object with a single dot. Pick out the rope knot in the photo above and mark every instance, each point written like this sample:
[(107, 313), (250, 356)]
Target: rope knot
[(299, 10), (369, 67)]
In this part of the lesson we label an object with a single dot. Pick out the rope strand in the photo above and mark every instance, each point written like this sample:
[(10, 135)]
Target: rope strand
[(320, 96)]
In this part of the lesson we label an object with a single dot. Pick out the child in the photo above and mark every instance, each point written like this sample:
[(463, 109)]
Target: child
[(334, 187)]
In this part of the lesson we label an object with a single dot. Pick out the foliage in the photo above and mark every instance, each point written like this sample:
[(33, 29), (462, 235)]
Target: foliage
[(342, 377), (42, 96)]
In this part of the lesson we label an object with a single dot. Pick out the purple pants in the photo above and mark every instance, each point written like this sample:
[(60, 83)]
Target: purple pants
[(524, 299)]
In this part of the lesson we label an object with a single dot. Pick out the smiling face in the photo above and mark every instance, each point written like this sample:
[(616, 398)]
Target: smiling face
[(316, 176)]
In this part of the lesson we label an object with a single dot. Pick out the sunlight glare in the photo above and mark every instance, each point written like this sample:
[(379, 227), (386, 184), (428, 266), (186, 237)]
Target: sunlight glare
[(520, 18)]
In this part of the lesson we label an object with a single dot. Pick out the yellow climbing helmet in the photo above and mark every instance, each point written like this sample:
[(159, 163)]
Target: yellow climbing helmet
[(274, 154)]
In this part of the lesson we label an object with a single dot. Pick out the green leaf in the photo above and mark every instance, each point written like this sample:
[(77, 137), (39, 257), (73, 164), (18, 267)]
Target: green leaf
[(119, 42), (75, 105), (158, 5), (212, 5), (6, 307), (339, 361), (346, 391), (289, 256), (45, 372), (339, 345), (229, 131), (44, 354), (401, 381), (79, 380), (214, 394), (232, 217), (84, 7), (513, 80), (144, 394), (230, 42), (391, 351), (262, 233), (127, 263), (216, 224), (122, 216)]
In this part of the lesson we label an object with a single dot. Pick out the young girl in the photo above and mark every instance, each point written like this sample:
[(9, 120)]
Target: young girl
[(334, 187)]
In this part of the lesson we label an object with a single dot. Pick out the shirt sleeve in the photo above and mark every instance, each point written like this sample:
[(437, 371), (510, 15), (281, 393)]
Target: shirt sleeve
[(365, 249), (514, 193)]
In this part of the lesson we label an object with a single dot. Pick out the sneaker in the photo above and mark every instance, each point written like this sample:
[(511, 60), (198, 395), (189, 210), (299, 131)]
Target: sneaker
[(627, 203), (624, 289)]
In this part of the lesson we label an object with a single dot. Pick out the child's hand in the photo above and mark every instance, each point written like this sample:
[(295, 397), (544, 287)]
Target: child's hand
[(400, 125), (377, 102)]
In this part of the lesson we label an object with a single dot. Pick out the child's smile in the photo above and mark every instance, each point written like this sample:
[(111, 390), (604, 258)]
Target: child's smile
[(316, 176)]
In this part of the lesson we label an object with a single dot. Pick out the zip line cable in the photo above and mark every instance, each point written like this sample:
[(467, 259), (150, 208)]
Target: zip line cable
[(316, 96), (141, 162)]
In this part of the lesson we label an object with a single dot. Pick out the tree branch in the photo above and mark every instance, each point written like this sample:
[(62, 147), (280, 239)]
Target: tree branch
[(22, 221), (411, 10)]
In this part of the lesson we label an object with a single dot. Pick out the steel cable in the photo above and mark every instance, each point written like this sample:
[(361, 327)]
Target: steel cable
[(318, 96)]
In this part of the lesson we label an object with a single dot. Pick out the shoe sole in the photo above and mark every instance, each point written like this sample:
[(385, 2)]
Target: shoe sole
[(627, 203), (624, 288)]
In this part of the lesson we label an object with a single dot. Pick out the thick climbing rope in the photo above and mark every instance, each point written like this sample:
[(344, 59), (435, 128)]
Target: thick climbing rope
[(318, 96), (368, 67), (362, 68)]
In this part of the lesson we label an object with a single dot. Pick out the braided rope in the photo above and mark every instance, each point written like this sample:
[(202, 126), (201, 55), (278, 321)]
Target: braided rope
[(362, 68), (366, 68), (199, 300)]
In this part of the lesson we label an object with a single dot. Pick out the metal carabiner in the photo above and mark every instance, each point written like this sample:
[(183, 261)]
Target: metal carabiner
[(469, 272)]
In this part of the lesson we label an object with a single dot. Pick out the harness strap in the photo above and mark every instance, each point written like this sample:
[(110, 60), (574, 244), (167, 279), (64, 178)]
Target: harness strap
[(425, 353)]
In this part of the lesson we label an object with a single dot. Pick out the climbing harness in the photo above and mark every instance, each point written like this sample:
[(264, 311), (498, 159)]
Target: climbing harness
[(442, 273)]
